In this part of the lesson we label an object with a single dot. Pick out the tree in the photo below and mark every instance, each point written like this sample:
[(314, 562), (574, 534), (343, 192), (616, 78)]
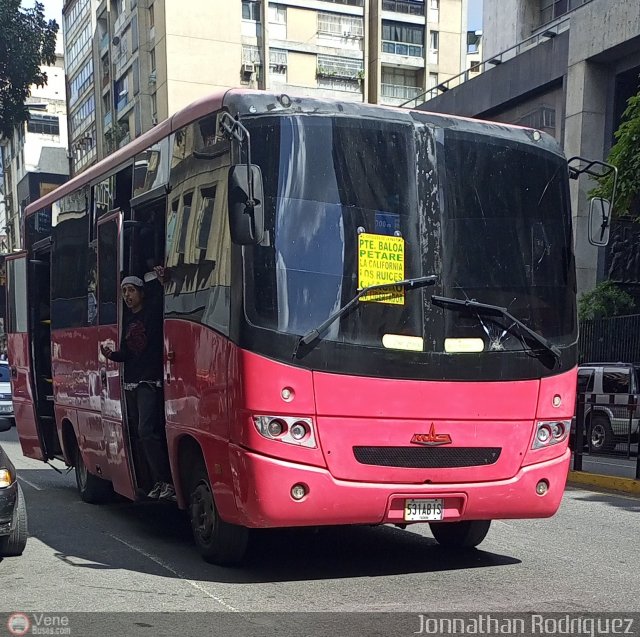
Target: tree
[(605, 300), (27, 41), (625, 156)]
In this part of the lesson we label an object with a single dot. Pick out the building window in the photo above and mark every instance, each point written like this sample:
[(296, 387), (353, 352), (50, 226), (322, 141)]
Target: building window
[(402, 39), (343, 26), (251, 11), (543, 118), (474, 67), (353, 3), (434, 40), (433, 80), (473, 41), (399, 83), (74, 13), (434, 4), (278, 62), (84, 111), (152, 15), (43, 124), (277, 14), (331, 66), (81, 82), (551, 9)]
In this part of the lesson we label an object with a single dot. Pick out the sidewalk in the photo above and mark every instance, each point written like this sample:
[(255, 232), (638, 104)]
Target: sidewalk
[(604, 472)]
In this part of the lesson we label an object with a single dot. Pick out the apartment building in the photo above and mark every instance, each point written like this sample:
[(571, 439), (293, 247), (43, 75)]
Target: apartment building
[(132, 63), (35, 159), (566, 67)]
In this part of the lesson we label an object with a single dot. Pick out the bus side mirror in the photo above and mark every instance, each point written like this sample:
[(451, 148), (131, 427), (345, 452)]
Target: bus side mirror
[(246, 196), (599, 221)]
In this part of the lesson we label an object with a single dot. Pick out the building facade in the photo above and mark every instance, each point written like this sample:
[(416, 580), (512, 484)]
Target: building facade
[(35, 159), (567, 68), (132, 63)]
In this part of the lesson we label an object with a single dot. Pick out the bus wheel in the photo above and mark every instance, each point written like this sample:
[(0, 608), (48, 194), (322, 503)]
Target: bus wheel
[(600, 434), (13, 544), (461, 535), (92, 489), (218, 541)]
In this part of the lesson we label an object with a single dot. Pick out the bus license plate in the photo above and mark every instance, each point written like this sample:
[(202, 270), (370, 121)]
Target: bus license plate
[(423, 510)]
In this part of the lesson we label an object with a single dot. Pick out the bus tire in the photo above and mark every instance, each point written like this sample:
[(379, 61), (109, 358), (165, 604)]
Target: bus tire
[(601, 437), (92, 490), (218, 541), (13, 544), (460, 535)]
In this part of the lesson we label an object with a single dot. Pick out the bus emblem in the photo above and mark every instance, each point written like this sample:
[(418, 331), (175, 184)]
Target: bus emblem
[(432, 439)]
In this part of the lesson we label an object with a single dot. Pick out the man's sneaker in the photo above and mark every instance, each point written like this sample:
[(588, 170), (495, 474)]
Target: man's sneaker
[(154, 494), (167, 493)]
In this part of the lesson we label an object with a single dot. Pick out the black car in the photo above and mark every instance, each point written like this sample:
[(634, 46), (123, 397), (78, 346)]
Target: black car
[(13, 510)]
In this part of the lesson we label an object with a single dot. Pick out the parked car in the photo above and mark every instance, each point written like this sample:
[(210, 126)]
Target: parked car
[(609, 388), (13, 509), (6, 404)]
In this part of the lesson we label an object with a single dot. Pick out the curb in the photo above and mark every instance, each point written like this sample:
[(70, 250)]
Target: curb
[(613, 483)]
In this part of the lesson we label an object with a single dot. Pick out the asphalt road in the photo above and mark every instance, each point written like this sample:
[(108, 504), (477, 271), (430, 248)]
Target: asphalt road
[(140, 558)]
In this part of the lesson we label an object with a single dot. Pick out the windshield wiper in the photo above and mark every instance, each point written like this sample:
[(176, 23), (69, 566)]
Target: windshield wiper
[(411, 284), (495, 310)]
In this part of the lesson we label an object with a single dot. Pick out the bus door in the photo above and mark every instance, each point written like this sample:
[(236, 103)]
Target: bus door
[(28, 424), (114, 428)]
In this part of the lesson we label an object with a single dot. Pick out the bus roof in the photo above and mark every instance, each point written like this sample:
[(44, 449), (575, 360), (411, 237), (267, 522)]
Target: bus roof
[(250, 102)]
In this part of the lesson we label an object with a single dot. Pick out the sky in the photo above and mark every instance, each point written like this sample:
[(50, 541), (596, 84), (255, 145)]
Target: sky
[(475, 15)]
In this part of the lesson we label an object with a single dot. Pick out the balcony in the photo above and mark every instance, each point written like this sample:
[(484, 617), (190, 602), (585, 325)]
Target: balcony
[(403, 6), (108, 118), (400, 48), (397, 91)]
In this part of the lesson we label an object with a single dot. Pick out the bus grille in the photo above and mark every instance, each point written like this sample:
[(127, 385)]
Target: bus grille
[(427, 457)]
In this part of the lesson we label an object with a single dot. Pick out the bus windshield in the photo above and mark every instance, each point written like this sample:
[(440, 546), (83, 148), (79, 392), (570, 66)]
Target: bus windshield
[(500, 210)]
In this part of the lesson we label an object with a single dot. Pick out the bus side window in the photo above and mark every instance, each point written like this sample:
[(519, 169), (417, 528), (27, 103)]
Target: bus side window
[(171, 231)]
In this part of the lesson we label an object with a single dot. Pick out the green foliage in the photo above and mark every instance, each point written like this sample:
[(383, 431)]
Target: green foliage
[(27, 41), (625, 156), (605, 300)]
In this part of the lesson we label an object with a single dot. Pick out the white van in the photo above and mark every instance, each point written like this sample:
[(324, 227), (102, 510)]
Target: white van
[(609, 388), (6, 404)]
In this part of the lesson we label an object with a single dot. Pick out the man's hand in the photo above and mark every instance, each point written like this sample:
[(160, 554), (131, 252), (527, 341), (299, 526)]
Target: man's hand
[(106, 351), (162, 273)]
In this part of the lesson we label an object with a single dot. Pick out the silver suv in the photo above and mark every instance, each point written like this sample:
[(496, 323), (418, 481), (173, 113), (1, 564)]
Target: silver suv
[(609, 388)]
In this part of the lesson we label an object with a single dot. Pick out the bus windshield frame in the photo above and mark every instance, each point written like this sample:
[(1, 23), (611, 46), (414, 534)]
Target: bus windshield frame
[(329, 180)]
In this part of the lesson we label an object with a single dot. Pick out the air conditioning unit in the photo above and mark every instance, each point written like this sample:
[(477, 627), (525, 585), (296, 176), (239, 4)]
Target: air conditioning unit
[(248, 68), (154, 121)]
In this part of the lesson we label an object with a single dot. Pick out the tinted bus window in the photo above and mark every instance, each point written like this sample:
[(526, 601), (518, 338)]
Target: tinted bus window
[(108, 270), (17, 296), (69, 261)]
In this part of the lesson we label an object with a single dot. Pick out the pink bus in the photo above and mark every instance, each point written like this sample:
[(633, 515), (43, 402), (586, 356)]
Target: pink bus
[(370, 318)]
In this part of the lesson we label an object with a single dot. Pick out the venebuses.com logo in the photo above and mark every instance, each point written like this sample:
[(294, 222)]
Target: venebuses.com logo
[(18, 624)]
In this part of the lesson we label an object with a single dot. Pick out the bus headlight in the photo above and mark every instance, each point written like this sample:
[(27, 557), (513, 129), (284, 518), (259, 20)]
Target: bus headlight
[(550, 432), (293, 430)]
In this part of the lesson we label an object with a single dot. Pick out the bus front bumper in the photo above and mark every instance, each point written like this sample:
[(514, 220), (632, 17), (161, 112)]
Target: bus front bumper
[(264, 499)]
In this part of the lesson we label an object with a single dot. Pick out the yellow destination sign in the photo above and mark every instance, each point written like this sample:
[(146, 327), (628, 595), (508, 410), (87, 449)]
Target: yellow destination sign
[(380, 261)]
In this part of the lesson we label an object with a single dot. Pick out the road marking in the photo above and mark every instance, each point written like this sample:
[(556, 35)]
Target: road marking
[(179, 575), (35, 486)]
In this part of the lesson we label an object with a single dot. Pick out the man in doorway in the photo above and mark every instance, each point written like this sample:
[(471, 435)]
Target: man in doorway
[(141, 352)]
